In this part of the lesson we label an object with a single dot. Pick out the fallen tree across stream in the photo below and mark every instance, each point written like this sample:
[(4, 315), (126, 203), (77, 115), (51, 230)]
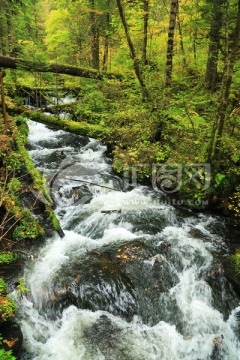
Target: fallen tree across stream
[(79, 128), (30, 65)]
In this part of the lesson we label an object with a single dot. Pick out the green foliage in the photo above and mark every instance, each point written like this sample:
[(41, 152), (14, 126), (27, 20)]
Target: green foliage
[(21, 288), (8, 257), (234, 204), (3, 286), (7, 305), (219, 179), (13, 161), (27, 228), (7, 308), (14, 185), (236, 261), (5, 355), (91, 106)]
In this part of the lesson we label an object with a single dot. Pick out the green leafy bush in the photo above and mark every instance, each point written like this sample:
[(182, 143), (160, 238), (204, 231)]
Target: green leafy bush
[(7, 257), (7, 305), (28, 228), (5, 355)]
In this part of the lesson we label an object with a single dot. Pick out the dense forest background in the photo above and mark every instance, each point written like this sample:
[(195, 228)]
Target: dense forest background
[(178, 98)]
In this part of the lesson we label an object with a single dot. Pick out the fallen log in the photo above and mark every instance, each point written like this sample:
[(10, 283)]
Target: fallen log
[(30, 65), (80, 128)]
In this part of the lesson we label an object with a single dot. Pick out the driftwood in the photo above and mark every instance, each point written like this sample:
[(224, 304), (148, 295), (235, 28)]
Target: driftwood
[(29, 65)]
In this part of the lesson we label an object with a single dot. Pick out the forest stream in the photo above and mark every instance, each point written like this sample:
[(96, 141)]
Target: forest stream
[(133, 279)]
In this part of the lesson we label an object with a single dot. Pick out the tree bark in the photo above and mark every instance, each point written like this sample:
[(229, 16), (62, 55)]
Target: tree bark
[(132, 52), (219, 122), (181, 39), (29, 65), (4, 111), (106, 41), (9, 31), (145, 30), (94, 33), (214, 37), (170, 43)]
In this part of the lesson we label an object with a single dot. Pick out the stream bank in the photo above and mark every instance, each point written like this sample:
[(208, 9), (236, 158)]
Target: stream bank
[(26, 217)]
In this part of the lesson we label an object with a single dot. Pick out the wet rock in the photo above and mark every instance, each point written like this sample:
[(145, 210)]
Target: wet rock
[(64, 140), (12, 337), (105, 336), (196, 233), (230, 273)]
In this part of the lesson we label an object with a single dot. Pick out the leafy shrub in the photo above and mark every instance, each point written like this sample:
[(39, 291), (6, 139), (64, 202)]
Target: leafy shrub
[(28, 228), (7, 257), (5, 355), (7, 305)]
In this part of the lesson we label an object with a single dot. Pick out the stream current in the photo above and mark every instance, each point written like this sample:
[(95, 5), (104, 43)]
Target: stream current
[(133, 279)]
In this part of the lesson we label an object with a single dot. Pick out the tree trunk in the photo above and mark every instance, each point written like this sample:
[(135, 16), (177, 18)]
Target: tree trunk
[(9, 31), (106, 42), (195, 34), (145, 30), (94, 33), (214, 37), (170, 43), (181, 39), (28, 65), (132, 52), (219, 122), (4, 111)]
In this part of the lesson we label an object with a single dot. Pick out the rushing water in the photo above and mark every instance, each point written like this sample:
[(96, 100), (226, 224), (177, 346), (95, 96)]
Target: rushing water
[(133, 278)]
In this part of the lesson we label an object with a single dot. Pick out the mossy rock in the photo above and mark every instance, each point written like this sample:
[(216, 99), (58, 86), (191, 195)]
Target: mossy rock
[(231, 273)]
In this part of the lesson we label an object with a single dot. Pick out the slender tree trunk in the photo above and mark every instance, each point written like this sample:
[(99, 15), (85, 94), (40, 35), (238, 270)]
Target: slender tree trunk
[(106, 42), (132, 52), (214, 37), (181, 39), (4, 111), (145, 30), (219, 123), (195, 33), (9, 31), (170, 43), (94, 33)]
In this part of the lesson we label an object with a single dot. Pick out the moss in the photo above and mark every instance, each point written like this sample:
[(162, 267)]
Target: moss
[(52, 217), (16, 165), (236, 261)]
